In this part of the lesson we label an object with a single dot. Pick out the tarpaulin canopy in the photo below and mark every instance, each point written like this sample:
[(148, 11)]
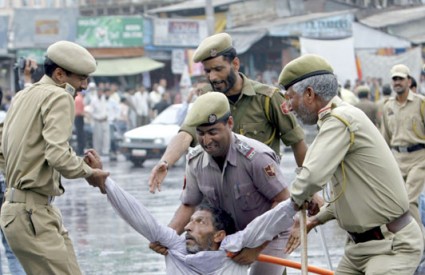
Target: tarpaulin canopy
[(125, 66)]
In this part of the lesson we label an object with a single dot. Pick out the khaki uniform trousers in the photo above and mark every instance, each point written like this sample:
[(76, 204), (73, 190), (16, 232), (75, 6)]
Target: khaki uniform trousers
[(397, 254), (35, 233), (412, 167)]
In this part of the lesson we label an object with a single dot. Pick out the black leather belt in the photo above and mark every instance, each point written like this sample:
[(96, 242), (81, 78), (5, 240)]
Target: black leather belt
[(409, 149), (376, 233)]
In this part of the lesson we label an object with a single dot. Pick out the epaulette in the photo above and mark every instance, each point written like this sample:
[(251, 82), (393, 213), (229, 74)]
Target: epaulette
[(245, 149), (263, 89), (194, 152)]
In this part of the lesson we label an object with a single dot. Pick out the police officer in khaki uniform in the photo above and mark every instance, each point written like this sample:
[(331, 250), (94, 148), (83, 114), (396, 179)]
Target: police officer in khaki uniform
[(255, 107), (403, 127), (36, 151), (237, 174), (367, 196)]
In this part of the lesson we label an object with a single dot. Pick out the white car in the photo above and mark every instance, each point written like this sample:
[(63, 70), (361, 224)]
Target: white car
[(151, 140)]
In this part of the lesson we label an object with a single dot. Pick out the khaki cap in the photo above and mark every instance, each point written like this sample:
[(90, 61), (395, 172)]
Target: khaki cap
[(72, 57), (303, 67), (208, 109), (213, 46), (400, 70)]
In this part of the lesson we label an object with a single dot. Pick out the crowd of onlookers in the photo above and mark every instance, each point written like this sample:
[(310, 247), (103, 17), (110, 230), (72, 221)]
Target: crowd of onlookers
[(108, 112)]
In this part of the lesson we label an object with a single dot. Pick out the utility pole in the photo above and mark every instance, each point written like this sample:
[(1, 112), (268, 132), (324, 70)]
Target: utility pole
[(209, 12)]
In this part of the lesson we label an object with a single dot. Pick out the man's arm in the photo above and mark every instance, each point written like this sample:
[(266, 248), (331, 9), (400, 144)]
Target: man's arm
[(262, 229), (299, 149), (282, 196), (175, 149), (138, 217), (250, 252)]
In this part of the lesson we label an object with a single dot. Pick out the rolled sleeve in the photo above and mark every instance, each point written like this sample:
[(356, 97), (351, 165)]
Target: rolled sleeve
[(268, 175)]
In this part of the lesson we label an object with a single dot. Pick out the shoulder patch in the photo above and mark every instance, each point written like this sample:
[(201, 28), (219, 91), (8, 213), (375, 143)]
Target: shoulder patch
[(245, 149), (193, 153), (270, 170)]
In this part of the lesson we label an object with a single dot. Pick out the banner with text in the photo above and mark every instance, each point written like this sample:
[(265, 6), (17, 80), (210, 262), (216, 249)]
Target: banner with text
[(110, 31), (179, 32)]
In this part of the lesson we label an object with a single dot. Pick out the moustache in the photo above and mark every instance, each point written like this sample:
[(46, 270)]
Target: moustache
[(189, 237)]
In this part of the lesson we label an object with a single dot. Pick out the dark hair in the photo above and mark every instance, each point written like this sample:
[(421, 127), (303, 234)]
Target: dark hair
[(386, 89), (50, 67), (220, 218), (413, 83), (363, 94)]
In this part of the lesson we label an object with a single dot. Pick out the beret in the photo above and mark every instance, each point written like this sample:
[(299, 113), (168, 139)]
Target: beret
[(303, 67), (72, 57), (208, 109), (400, 70), (213, 46)]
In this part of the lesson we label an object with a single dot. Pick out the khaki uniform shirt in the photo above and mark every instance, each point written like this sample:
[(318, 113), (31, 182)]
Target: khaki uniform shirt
[(35, 138), (372, 190), (250, 119), (251, 178), (403, 124)]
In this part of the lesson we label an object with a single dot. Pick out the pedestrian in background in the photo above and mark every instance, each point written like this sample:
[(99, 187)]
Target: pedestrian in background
[(100, 123), (79, 123), (365, 104), (37, 153), (367, 196)]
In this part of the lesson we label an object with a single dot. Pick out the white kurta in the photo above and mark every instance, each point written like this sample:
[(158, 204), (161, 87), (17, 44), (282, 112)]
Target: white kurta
[(178, 261)]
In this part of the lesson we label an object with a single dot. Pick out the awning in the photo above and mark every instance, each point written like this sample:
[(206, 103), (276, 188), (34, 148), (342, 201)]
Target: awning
[(242, 41), (369, 38), (125, 66)]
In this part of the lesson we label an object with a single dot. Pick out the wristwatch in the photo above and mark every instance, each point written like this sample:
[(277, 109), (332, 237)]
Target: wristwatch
[(166, 164)]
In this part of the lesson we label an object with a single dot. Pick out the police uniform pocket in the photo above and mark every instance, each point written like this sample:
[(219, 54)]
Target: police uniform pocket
[(9, 213), (247, 197), (6, 219), (254, 130)]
